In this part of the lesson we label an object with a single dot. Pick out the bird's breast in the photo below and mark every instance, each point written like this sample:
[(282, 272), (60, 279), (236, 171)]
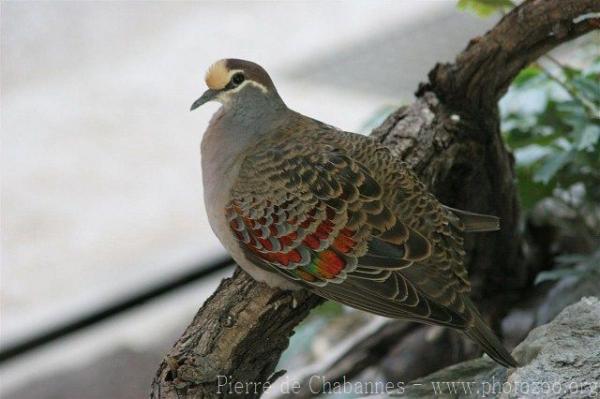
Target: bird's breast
[(220, 169)]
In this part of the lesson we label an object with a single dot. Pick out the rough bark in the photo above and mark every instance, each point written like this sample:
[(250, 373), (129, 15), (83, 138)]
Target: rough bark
[(451, 137)]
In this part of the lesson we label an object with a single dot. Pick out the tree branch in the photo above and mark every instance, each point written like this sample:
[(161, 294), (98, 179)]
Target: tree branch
[(450, 135), (482, 73)]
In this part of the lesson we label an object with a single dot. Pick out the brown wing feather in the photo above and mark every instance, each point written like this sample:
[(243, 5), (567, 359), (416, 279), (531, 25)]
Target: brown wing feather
[(317, 215)]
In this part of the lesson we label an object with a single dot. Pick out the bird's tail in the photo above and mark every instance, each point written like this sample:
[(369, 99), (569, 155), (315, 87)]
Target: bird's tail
[(481, 333), (475, 222)]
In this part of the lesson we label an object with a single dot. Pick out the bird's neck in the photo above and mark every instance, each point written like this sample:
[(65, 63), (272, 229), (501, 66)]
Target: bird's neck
[(231, 132)]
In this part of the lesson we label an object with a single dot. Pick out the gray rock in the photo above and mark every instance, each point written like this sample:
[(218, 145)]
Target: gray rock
[(560, 359)]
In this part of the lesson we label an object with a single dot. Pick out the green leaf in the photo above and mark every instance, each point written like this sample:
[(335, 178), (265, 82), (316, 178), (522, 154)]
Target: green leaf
[(328, 309), (554, 130), (526, 75), (484, 8), (557, 274), (522, 140), (570, 72), (577, 265), (570, 259), (528, 155), (593, 70), (589, 88), (551, 165), (588, 137), (530, 192)]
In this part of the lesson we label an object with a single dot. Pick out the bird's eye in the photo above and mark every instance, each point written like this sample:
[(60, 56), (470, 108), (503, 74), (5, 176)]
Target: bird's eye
[(238, 78)]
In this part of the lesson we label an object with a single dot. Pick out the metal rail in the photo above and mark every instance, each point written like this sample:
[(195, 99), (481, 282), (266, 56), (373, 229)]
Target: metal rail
[(118, 306)]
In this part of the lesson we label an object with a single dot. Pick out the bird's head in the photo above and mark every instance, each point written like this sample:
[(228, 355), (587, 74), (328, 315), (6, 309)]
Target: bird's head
[(232, 81)]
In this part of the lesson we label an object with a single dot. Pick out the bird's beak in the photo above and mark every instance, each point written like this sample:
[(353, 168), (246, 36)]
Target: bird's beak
[(208, 95)]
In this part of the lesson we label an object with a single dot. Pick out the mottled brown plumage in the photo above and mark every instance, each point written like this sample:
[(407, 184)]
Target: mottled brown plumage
[(337, 213)]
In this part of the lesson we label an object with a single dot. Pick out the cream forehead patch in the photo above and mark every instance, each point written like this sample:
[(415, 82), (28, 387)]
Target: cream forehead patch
[(217, 75)]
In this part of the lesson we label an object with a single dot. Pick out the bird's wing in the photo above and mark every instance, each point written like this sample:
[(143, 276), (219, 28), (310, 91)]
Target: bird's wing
[(317, 216)]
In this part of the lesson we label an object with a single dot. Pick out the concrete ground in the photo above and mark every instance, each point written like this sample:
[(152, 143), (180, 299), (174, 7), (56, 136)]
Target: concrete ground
[(100, 168)]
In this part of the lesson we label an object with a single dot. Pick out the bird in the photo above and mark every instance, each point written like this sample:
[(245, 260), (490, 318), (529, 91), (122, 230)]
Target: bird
[(301, 204)]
